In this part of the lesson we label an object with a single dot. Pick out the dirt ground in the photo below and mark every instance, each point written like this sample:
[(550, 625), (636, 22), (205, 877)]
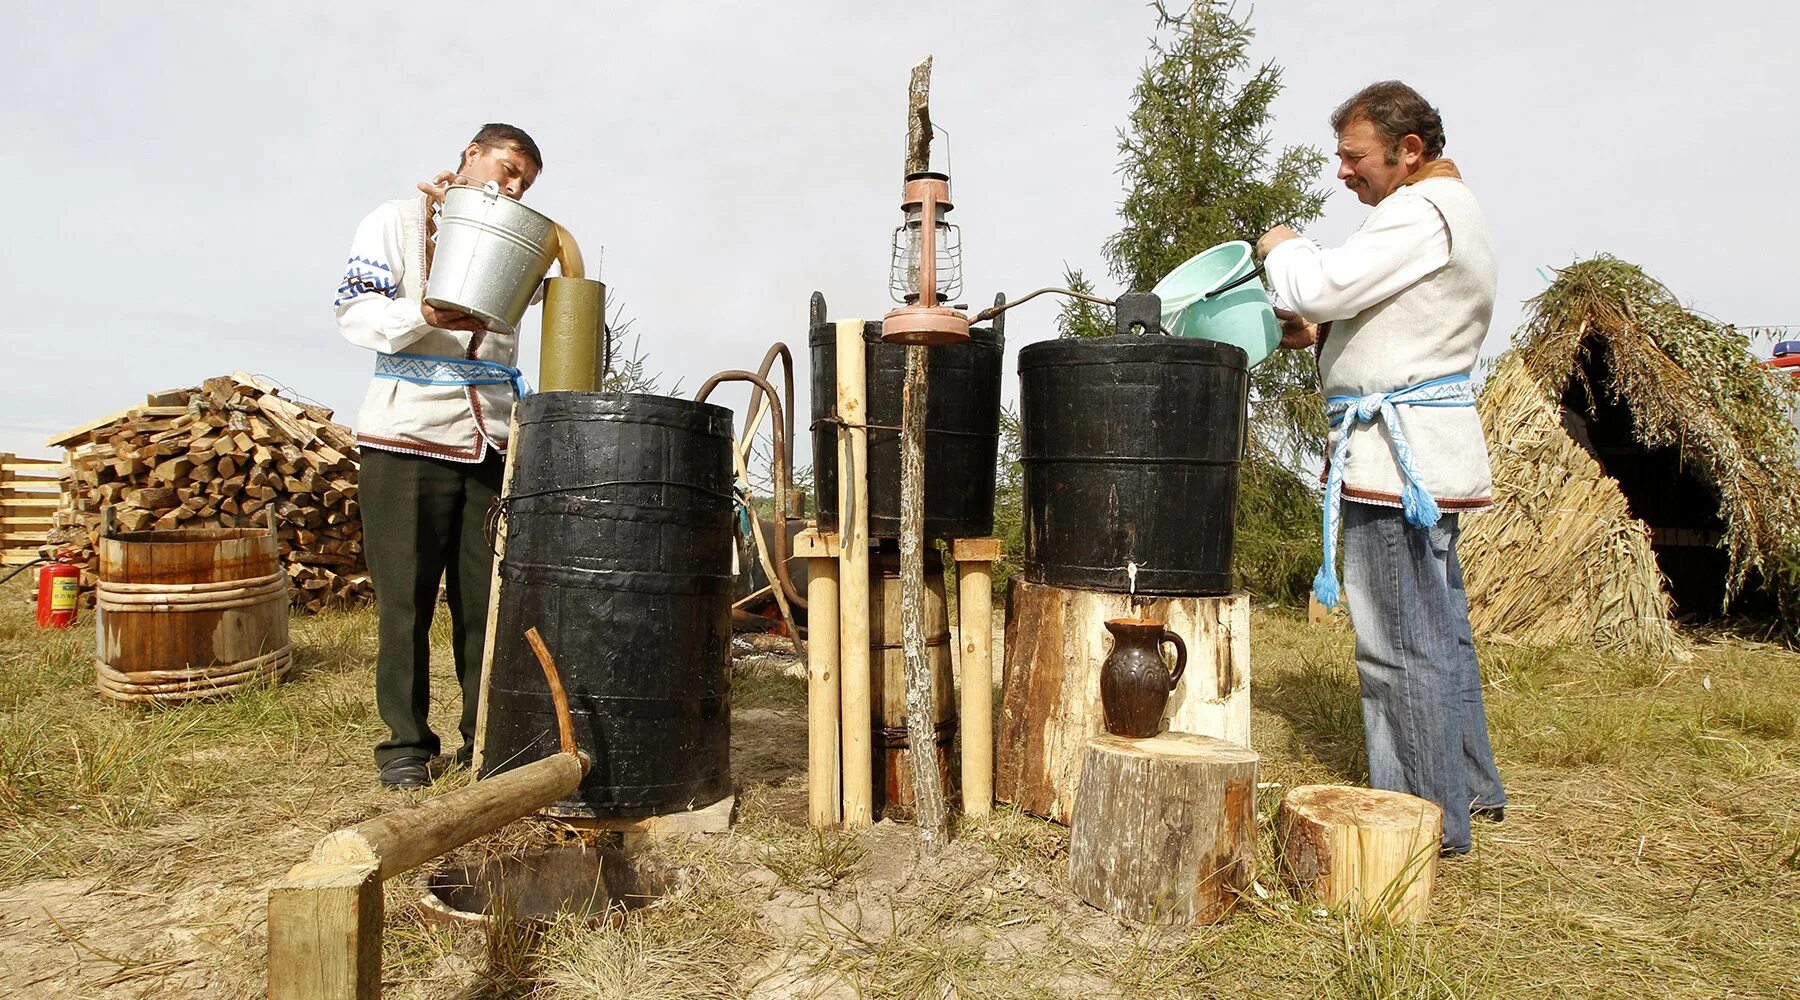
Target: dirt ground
[(1652, 848)]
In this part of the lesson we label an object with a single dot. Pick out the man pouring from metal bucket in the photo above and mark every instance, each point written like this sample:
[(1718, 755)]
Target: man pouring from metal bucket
[(433, 429), (1398, 314)]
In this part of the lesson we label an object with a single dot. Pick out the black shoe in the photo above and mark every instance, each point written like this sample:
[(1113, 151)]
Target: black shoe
[(404, 774), (1493, 814), (465, 756)]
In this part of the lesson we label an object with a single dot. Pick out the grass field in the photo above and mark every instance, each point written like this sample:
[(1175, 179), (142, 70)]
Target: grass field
[(1652, 849)]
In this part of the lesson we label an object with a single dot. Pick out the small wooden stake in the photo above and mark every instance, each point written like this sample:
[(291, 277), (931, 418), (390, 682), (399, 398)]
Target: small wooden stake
[(975, 616), (493, 611), (853, 575), (823, 807)]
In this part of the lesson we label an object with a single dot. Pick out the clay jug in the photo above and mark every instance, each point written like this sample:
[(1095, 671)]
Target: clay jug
[(1135, 683)]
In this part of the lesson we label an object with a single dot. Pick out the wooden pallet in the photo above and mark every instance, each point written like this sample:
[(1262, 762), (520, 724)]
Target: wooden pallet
[(30, 491)]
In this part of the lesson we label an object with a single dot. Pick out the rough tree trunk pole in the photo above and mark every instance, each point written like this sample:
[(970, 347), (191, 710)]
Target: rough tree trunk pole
[(921, 737)]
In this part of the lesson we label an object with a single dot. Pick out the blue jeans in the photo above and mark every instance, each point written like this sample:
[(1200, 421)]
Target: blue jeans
[(1415, 658)]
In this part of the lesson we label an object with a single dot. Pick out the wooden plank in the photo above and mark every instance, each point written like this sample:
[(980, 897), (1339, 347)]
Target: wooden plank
[(66, 437), (972, 550)]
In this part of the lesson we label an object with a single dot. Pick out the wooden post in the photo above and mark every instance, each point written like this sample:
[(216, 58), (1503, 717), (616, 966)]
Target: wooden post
[(1165, 827), (930, 811), (975, 558), (325, 932), (493, 609), (857, 769), (928, 787), (1361, 848), (823, 807)]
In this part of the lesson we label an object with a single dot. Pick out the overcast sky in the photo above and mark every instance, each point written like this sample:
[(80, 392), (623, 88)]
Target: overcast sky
[(183, 179)]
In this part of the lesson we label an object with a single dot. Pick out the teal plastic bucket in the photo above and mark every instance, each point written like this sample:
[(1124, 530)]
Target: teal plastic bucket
[(1192, 306)]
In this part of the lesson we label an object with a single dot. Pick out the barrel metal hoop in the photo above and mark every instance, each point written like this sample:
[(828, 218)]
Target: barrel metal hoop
[(895, 737), (221, 596)]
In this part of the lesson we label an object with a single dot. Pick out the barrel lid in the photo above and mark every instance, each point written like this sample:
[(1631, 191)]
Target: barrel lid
[(549, 407), (1128, 348)]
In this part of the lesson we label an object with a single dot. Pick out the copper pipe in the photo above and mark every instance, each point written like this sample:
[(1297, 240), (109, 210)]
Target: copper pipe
[(991, 311), (781, 470), (779, 349), (565, 725)]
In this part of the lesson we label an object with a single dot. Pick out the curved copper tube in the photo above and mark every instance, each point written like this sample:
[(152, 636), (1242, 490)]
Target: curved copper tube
[(781, 470), (565, 725), (780, 350)]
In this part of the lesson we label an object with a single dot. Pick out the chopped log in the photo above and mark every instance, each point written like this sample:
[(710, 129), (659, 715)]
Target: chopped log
[(1164, 829), (1364, 849), (1056, 642), (194, 458)]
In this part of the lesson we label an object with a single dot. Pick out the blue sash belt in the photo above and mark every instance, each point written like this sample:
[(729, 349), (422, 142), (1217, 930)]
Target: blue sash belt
[(421, 369), (1346, 412)]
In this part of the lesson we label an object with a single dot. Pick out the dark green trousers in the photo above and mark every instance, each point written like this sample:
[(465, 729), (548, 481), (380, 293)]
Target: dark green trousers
[(422, 520)]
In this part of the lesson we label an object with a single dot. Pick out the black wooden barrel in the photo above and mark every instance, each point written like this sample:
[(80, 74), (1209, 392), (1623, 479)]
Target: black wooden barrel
[(962, 431), (1131, 447), (618, 549)]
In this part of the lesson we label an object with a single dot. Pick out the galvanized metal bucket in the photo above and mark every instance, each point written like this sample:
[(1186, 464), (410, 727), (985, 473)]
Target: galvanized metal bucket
[(491, 253)]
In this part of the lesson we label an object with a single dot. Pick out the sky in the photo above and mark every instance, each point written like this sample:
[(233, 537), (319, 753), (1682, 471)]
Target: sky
[(184, 179)]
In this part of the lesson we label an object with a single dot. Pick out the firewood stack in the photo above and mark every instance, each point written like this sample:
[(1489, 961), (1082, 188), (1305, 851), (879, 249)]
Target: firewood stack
[(225, 454)]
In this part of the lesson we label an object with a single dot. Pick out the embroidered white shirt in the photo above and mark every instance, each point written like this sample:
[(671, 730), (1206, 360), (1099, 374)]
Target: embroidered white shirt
[(1403, 239), (378, 308)]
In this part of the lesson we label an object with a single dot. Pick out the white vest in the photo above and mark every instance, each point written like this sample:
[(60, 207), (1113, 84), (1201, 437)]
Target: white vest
[(1431, 329), (455, 422)]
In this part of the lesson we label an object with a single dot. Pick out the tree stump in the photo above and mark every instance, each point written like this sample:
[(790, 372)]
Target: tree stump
[(1056, 642), (1165, 828), (1363, 848)]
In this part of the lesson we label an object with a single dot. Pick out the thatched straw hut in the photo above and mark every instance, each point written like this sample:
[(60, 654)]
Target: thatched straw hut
[(1644, 468)]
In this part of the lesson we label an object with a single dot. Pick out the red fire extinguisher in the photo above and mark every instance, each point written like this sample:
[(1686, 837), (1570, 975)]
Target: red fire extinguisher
[(59, 587)]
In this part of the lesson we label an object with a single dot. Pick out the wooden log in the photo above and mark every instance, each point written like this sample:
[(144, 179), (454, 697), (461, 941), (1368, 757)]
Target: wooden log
[(1362, 849), (405, 838), (823, 807), (325, 933), (1164, 829), (853, 574), (975, 599), (1056, 642), (929, 809)]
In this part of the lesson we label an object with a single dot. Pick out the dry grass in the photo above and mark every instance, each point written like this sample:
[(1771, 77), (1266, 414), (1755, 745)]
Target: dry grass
[(1560, 559), (1652, 848)]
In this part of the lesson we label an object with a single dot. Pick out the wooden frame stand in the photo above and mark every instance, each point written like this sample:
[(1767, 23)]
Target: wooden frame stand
[(838, 660)]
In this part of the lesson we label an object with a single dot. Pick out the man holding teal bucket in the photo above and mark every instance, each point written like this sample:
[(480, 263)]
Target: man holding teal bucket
[(1399, 313)]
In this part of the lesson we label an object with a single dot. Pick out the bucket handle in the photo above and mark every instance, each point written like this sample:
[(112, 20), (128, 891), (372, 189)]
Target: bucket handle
[(1255, 272)]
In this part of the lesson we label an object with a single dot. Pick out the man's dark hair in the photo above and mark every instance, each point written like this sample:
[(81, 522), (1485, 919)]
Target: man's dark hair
[(495, 134), (1396, 111)]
